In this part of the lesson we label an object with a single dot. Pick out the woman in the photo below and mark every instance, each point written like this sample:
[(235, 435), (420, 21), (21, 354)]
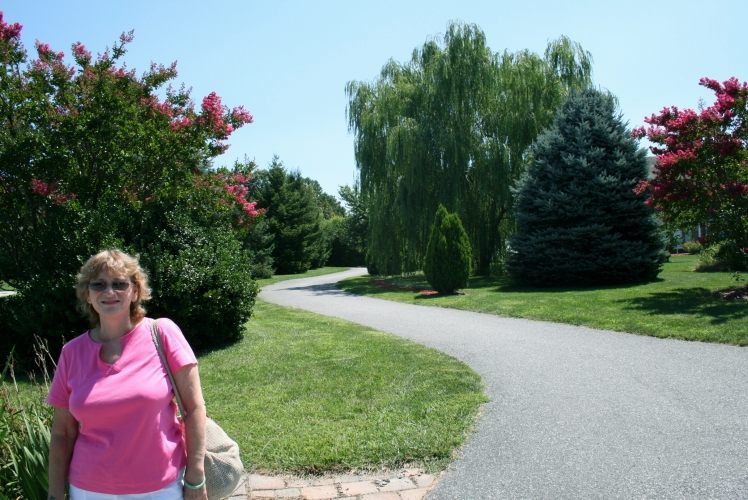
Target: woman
[(115, 433)]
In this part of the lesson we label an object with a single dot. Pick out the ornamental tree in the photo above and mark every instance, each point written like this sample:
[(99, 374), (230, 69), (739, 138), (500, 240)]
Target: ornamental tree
[(578, 219), (92, 156), (449, 256), (453, 126), (701, 176)]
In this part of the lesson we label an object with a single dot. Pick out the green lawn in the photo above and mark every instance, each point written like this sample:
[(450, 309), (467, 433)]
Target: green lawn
[(303, 393), (681, 304)]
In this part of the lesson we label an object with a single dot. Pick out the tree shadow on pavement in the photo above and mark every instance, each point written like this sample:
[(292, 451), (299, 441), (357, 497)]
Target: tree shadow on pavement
[(695, 301), (321, 289)]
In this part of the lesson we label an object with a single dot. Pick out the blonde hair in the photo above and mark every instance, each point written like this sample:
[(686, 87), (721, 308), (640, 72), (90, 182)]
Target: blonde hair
[(112, 261)]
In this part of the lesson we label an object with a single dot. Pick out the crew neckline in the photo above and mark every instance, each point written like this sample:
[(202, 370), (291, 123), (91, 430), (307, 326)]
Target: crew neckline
[(124, 340)]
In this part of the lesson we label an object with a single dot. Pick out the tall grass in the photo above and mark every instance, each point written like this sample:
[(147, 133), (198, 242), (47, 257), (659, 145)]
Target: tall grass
[(25, 422)]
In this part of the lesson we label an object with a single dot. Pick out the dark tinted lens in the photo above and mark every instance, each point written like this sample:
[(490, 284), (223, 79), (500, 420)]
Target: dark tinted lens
[(100, 286), (120, 285)]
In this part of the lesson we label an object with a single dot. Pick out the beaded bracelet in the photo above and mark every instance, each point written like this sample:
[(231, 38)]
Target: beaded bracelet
[(194, 486)]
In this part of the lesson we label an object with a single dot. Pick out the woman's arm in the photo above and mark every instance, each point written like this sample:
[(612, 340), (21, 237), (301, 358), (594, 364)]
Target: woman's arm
[(63, 435), (188, 383)]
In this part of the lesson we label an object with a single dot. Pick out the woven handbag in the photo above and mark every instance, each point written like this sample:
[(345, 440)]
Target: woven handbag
[(223, 465)]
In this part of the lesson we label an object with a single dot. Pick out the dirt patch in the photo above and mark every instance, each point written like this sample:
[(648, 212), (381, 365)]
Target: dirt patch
[(383, 284), (739, 293)]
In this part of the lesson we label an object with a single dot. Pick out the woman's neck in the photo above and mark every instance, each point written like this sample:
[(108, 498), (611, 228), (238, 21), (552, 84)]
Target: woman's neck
[(111, 329)]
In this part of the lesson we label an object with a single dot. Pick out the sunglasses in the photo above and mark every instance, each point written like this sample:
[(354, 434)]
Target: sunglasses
[(117, 285)]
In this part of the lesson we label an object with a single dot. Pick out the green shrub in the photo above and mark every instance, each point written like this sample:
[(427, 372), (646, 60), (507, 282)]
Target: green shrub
[(201, 279), (692, 247), (723, 256), (449, 258)]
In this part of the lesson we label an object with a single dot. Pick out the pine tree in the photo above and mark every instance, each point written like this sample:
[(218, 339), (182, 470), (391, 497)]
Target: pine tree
[(293, 218), (448, 260), (578, 218)]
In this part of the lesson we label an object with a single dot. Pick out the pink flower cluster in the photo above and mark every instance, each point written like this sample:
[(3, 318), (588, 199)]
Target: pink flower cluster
[(726, 93), (699, 155), (241, 115), (180, 123), (52, 192), (82, 56), (213, 113), (236, 186), (212, 107), (162, 107), (50, 60), (9, 32)]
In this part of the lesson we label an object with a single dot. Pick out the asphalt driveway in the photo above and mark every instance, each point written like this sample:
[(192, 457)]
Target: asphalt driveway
[(573, 412)]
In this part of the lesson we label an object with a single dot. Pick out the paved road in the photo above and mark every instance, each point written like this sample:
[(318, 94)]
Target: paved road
[(574, 412)]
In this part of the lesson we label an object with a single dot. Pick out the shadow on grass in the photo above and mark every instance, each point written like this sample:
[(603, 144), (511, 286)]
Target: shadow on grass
[(506, 285), (367, 285), (695, 301)]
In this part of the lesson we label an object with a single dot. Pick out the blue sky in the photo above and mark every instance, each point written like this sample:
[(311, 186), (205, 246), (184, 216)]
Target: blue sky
[(288, 61)]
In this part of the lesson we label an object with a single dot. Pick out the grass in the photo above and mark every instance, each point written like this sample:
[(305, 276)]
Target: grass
[(25, 421), (307, 394), (302, 393), (681, 304)]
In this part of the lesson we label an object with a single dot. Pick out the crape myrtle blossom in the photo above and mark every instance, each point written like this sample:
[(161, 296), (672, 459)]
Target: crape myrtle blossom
[(81, 55), (236, 185), (55, 97), (701, 174), (9, 32), (52, 192)]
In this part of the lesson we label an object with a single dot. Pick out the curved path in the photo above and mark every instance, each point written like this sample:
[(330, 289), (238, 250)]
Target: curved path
[(573, 412)]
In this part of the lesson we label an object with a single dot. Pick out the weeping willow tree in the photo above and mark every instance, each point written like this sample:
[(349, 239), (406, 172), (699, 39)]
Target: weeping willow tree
[(453, 126)]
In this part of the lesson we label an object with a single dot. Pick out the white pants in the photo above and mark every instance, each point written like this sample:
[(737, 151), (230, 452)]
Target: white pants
[(171, 492)]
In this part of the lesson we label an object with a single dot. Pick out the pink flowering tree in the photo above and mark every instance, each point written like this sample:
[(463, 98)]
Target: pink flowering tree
[(701, 175), (93, 155)]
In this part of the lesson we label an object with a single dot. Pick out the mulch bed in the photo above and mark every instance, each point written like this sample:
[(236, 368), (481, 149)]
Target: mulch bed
[(386, 285), (739, 293)]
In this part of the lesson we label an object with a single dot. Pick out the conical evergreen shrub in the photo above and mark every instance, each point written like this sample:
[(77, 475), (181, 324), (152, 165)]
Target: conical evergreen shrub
[(449, 258), (578, 218)]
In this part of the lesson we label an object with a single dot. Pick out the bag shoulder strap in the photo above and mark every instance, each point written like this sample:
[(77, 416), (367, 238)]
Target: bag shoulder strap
[(156, 335)]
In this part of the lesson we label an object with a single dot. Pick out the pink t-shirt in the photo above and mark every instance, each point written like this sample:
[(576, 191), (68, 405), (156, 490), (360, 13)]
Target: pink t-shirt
[(129, 439)]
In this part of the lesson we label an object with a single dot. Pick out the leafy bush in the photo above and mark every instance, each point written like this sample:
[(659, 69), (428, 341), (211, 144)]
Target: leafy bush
[(723, 256), (201, 279), (692, 247), (448, 261)]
